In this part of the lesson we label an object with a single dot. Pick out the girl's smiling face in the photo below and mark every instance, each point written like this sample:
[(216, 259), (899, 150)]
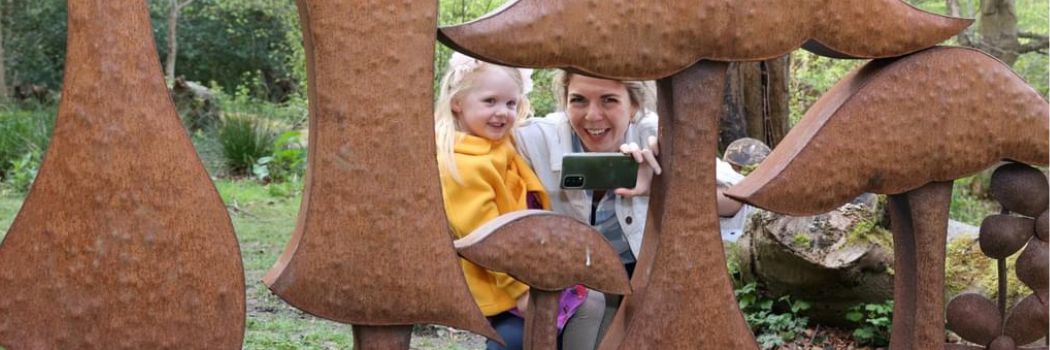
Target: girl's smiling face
[(489, 108), (600, 111)]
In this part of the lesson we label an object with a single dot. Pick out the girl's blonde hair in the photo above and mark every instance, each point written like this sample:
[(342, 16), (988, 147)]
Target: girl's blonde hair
[(641, 93), (462, 77)]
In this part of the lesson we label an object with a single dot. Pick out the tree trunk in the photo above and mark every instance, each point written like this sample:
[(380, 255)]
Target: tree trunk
[(756, 102), (4, 9), (173, 20), (998, 30)]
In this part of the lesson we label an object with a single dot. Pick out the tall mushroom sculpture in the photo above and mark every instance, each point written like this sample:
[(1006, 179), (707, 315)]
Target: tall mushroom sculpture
[(548, 252), (681, 293), (905, 127), (123, 241), (371, 246)]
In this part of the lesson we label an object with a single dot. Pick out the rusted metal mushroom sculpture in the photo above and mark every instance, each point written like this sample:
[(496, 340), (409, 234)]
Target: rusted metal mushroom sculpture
[(905, 127), (652, 39), (123, 242), (682, 296), (548, 252), (1022, 190), (371, 247)]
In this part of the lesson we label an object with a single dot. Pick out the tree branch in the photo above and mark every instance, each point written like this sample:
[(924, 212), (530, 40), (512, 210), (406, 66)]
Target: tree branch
[(1037, 43), (183, 4)]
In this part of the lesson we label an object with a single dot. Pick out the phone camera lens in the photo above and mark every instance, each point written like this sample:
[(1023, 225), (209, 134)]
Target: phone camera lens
[(573, 181)]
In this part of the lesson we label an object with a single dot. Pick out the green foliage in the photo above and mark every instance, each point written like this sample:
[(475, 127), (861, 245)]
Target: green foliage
[(814, 75), (35, 42), (968, 207), (288, 161), (874, 323), (772, 328), (245, 138), (23, 171), (236, 43), (24, 136)]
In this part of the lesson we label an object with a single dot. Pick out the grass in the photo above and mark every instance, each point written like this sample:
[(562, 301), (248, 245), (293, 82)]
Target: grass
[(264, 219)]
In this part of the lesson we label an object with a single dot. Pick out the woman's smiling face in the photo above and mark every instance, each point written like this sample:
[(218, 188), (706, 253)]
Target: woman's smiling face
[(600, 111)]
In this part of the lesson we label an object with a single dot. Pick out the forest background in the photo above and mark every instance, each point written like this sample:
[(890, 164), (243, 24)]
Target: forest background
[(238, 77)]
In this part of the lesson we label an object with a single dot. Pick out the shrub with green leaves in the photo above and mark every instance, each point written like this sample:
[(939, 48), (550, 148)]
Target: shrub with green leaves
[(23, 131), (287, 163), (245, 139), (772, 328), (874, 323)]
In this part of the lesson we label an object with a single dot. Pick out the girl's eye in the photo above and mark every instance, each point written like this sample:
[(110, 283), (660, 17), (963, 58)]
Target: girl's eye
[(489, 100), (512, 104)]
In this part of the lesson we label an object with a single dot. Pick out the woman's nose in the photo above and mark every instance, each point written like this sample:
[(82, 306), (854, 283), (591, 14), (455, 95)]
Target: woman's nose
[(593, 113)]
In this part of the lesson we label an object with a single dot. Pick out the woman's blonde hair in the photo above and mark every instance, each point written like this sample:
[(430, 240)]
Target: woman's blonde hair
[(641, 93), (462, 77)]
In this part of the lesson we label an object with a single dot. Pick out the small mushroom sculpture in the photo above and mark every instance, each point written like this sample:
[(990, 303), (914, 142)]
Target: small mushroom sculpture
[(123, 241), (906, 127), (548, 252)]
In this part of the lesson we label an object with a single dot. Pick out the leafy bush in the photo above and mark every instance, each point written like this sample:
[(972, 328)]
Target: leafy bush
[(288, 161), (875, 322), (244, 138), (24, 131), (771, 328), (23, 171)]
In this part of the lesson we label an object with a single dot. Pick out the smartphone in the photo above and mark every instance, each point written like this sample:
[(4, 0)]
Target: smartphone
[(598, 171)]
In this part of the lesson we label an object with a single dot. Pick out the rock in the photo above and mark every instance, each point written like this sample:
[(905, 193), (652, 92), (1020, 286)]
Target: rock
[(196, 104), (834, 260)]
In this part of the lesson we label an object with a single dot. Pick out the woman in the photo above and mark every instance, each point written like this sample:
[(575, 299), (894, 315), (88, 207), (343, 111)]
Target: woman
[(599, 115)]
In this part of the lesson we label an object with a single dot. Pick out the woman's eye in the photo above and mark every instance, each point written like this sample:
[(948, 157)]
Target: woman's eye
[(576, 100), (609, 100)]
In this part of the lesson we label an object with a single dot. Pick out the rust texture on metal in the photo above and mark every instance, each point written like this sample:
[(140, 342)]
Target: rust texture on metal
[(1027, 321), (546, 251), (1021, 189), (974, 318), (1002, 343), (945, 113), (919, 221), (123, 241), (1032, 267), (549, 252), (682, 297), (655, 39), (382, 337), (372, 246), (1003, 235)]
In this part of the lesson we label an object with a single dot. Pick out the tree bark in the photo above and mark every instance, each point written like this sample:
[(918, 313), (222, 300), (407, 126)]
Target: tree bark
[(4, 93), (756, 102), (998, 30), (173, 22)]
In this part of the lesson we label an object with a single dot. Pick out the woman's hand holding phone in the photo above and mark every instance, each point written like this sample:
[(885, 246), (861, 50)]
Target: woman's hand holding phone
[(648, 166)]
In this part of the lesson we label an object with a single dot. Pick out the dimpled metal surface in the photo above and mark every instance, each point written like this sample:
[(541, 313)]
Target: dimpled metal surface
[(372, 246), (1042, 226), (546, 251), (1032, 267), (974, 318), (1027, 321), (896, 124), (1021, 189), (123, 242), (637, 40), (1004, 235), (682, 297)]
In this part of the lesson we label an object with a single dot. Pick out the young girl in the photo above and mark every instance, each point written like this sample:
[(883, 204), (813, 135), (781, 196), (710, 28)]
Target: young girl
[(482, 177)]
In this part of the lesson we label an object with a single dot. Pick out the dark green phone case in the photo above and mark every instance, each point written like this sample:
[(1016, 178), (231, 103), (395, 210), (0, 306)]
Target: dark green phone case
[(598, 171)]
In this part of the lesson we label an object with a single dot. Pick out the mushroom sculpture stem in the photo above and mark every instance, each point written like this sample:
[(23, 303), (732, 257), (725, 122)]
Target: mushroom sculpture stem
[(548, 252), (919, 219), (396, 337)]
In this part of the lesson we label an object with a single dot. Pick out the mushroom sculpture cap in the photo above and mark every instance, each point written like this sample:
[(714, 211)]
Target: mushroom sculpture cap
[(894, 125), (654, 39), (546, 251)]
